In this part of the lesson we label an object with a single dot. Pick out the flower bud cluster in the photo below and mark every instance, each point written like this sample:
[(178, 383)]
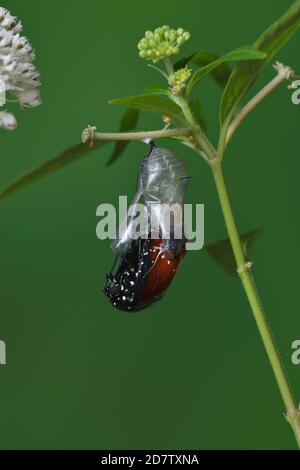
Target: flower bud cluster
[(162, 42)]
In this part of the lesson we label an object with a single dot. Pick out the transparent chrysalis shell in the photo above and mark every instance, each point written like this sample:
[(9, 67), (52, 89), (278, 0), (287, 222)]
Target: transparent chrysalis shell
[(161, 184), (146, 266)]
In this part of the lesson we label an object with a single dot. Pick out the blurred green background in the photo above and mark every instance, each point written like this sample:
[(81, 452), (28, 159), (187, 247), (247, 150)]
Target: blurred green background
[(191, 371)]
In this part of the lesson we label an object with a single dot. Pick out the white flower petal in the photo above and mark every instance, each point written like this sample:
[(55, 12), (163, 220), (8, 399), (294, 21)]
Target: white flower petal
[(29, 98), (7, 121), (17, 71)]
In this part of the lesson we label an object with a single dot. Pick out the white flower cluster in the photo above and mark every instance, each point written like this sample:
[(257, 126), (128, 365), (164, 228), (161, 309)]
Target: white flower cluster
[(18, 75)]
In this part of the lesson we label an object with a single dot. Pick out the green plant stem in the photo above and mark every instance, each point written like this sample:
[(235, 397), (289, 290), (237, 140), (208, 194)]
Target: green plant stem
[(284, 73), (244, 270), (163, 133), (169, 65), (292, 412), (199, 135)]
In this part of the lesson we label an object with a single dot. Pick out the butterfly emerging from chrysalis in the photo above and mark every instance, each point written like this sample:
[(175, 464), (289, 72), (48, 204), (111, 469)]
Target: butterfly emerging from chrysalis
[(145, 266)]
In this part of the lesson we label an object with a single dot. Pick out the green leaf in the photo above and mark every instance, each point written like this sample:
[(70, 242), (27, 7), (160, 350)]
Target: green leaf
[(128, 123), (245, 74), (68, 156), (196, 110), (221, 251), (156, 90), (242, 53), (181, 63), (153, 103), (221, 73)]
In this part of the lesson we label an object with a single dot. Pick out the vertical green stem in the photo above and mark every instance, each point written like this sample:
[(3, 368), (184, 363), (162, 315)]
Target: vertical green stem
[(169, 65), (243, 269), (292, 412), (200, 136)]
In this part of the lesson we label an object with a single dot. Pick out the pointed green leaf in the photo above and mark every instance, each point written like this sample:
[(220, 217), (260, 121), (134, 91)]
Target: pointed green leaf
[(68, 156), (221, 73), (221, 251), (152, 103), (156, 90), (128, 123), (245, 74), (240, 54)]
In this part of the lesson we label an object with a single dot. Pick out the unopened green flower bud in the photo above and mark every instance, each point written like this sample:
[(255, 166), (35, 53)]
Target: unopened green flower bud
[(179, 78), (172, 35), (162, 42), (180, 40)]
